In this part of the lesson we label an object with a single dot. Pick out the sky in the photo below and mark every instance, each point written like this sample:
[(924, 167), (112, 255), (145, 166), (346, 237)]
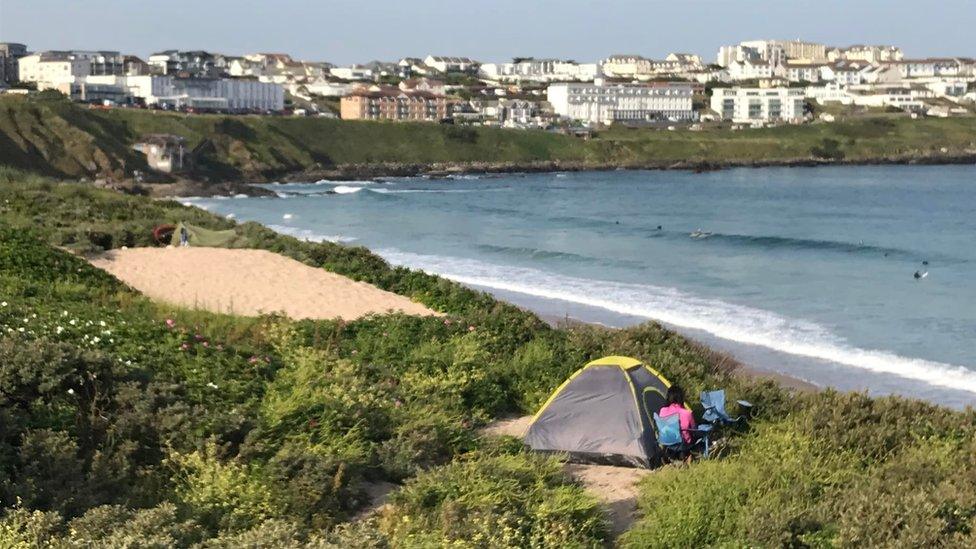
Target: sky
[(358, 31)]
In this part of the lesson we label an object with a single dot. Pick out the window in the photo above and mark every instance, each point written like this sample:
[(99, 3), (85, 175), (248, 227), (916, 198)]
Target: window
[(755, 109)]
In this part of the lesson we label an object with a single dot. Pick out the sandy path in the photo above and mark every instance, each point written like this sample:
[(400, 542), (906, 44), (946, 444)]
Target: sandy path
[(616, 487), (248, 283)]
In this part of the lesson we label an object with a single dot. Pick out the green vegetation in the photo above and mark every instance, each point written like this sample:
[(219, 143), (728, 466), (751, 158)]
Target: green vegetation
[(129, 423), (54, 137)]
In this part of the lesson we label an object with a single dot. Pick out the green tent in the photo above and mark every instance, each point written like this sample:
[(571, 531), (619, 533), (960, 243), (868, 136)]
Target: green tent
[(603, 414), (207, 238)]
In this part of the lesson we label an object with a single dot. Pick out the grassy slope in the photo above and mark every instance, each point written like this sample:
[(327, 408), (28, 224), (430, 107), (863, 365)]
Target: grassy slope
[(58, 138), (398, 398)]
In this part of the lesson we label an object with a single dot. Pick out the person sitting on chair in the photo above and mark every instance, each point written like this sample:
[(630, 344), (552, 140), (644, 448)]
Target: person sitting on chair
[(676, 405)]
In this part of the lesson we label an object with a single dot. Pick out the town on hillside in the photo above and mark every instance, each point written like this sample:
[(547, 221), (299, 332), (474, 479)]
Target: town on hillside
[(751, 84)]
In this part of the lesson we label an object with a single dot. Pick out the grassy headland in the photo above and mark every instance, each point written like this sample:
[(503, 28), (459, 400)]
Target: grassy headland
[(126, 422), (54, 137)]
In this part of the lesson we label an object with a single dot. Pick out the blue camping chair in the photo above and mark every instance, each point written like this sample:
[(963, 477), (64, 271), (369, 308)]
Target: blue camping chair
[(713, 403), (669, 435)]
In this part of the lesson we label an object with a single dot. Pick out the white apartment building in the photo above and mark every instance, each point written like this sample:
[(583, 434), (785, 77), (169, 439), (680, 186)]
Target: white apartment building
[(926, 68), (905, 98), (538, 70), (351, 73), (759, 105), (444, 63), (641, 68), (872, 95), (752, 69), (869, 54), (600, 103), (323, 87), (830, 92), (625, 66), (801, 71), (737, 53), (774, 52), (52, 69), (224, 94)]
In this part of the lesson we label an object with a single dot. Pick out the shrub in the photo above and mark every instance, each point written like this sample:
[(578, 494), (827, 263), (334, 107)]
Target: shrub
[(223, 495), (828, 149), (495, 501)]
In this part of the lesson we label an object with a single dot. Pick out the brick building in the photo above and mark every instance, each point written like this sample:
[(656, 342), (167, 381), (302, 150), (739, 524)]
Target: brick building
[(391, 103)]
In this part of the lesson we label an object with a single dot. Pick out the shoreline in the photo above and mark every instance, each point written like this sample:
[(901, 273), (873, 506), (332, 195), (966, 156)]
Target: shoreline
[(382, 170), (725, 359)]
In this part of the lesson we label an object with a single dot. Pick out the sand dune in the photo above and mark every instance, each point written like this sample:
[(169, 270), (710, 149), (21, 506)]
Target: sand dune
[(248, 283)]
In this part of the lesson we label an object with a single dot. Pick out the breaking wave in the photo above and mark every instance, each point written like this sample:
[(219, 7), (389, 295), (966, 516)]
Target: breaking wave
[(721, 319), (311, 236), (346, 189)]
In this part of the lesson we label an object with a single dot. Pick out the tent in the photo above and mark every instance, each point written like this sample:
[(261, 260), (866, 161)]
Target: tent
[(198, 236), (603, 414)]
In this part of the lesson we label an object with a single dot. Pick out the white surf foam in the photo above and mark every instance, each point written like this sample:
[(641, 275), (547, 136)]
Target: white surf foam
[(436, 191), (346, 189), (311, 236), (725, 320)]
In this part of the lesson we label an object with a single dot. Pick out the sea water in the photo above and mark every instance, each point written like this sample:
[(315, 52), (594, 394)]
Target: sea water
[(805, 271)]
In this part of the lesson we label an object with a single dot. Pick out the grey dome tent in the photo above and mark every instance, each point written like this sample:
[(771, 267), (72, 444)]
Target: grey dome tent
[(603, 414)]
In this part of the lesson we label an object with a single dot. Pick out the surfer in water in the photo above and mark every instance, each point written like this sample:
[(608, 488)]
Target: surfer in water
[(920, 276)]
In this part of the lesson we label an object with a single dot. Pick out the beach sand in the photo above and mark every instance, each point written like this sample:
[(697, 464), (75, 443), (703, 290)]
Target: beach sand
[(249, 283)]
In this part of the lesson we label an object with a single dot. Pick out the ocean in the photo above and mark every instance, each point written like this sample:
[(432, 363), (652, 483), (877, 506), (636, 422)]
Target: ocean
[(809, 272)]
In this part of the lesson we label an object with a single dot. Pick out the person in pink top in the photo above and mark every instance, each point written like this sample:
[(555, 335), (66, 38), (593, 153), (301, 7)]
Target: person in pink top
[(676, 405)]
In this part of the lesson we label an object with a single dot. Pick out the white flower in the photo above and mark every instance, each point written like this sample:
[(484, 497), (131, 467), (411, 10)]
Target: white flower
[(21, 329), (95, 340), (59, 329), (71, 391), (101, 323), (72, 322), (3, 303), (212, 385)]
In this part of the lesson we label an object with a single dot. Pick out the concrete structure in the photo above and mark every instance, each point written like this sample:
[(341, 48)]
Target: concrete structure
[(902, 97), (391, 103), (753, 69), (134, 66), (935, 66), (688, 59), (801, 71), (435, 87), (52, 69), (164, 153), (601, 103), (774, 52), (447, 64), (538, 70), (214, 94), (195, 63), (869, 54), (354, 72), (625, 66), (10, 52), (408, 67), (759, 106), (322, 87), (102, 63)]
